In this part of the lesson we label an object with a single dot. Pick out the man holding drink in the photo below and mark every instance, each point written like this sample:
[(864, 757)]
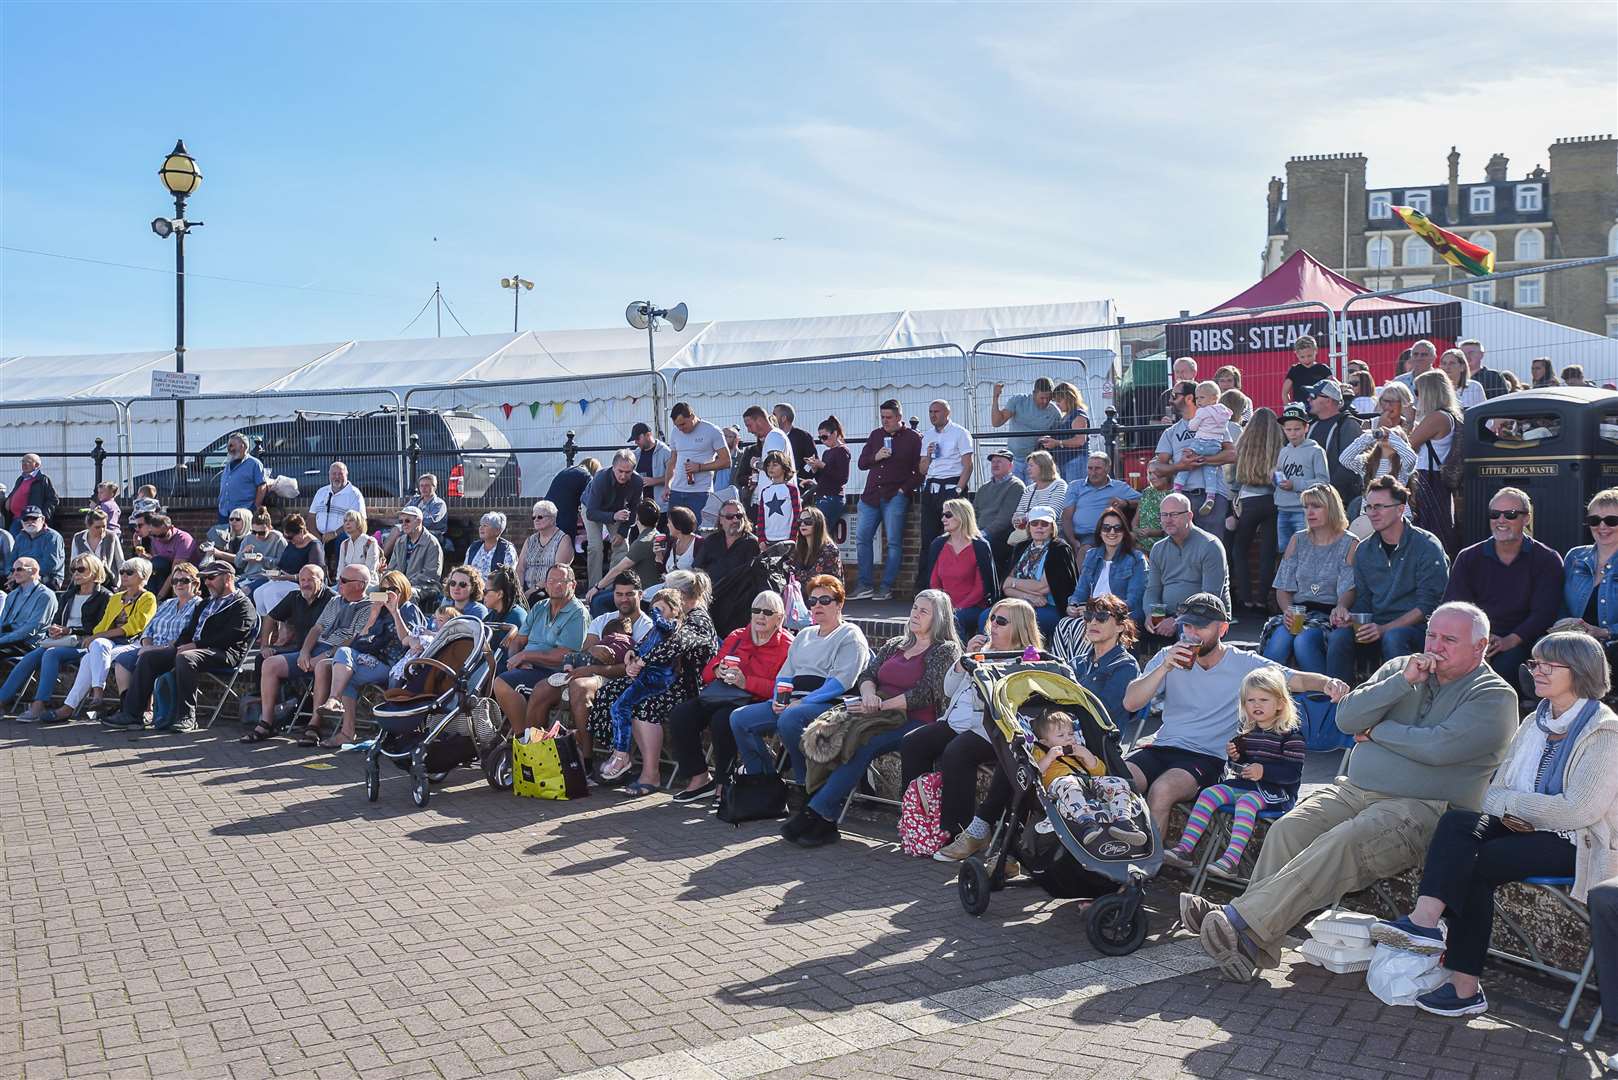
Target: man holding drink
[(1200, 677)]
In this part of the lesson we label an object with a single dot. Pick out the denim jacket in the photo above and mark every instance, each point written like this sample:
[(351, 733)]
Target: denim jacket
[(1127, 578), (1107, 677), (1578, 578)]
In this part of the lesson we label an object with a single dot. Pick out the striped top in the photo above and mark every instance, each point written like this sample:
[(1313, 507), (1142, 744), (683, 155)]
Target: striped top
[(1282, 758), (165, 627), (1052, 495)]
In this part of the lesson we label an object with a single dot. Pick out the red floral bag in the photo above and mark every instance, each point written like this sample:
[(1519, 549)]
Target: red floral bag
[(919, 831)]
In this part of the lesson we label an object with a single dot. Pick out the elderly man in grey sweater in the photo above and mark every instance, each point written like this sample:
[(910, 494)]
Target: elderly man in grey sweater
[(1429, 730), (1187, 561)]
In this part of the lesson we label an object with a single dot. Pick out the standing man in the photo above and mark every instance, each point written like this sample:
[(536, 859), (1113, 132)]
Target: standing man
[(652, 464), (697, 452), (328, 508), (1334, 429), (1187, 561), (1174, 453), (803, 443), (1400, 575), (1033, 413), (1423, 355), (1515, 579), (1305, 373), (609, 510), (33, 488), (945, 473), (1486, 377), (242, 482), (769, 440), (1086, 501), (1184, 370), (890, 458), (567, 492), (995, 502)]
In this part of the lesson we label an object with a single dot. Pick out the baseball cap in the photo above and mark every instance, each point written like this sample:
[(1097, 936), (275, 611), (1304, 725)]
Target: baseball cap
[(1201, 609), (1042, 513), (1296, 412), (217, 567), (410, 511), (638, 430), (32, 512), (1003, 452), (1327, 388)]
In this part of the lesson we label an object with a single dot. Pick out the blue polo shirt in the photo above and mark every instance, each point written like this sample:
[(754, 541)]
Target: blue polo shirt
[(1088, 501), (238, 484), (565, 631)]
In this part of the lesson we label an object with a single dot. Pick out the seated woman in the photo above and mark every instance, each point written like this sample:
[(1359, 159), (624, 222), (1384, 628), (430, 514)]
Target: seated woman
[(546, 546), (1114, 567), (1317, 575), (358, 546), (680, 551), (825, 659), (227, 536), (742, 672), (1042, 570), (260, 550), (1046, 488), (122, 621), (959, 745), (963, 566), (814, 551), (302, 549), (640, 556), (79, 608), (367, 659), (164, 628), (462, 590), (1590, 576), (500, 596), (645, 681), (492, 549), (1550, 811), (901, 689), (100, 539), (1107, 667)]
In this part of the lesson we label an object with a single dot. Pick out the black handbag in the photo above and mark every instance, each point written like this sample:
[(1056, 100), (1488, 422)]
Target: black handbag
[(718, 693), (746, 797)]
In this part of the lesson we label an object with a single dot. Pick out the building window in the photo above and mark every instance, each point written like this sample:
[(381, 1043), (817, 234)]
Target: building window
[(1612, 240), (1380, 201), (1612, 326), (1378, 252), (1419, 200), (1481, 291), (1612, 286), (1483, 200), (1420, 282), (1417, 252), (1530, 198), (1485, 240), (1530, 291), (1530, 245)]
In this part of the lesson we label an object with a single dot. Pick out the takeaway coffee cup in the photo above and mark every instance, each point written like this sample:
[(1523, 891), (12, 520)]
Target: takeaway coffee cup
[(783, 693)]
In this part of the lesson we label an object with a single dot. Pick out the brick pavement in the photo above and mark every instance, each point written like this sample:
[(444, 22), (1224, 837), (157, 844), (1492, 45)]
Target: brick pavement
[(190, 907)]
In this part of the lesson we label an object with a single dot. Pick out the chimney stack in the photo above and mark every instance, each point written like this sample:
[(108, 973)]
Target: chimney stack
[(1496, 170), (1274, 200), (1452, 206)]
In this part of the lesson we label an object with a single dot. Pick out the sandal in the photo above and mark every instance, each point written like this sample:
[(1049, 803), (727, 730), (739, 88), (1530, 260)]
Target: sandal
[(258, 734), (310, 736), (335, 741), (639, 788)]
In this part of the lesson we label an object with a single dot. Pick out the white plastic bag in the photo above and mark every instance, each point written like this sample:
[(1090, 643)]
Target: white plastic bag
[(1399, 976), (284, 486)]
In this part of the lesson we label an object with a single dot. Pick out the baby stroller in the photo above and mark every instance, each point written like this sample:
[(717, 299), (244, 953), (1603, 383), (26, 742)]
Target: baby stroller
[(1112, 871), (427, 725)]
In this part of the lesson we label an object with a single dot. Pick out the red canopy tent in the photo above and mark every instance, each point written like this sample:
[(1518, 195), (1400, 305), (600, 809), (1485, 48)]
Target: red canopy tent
[(1260, 345)]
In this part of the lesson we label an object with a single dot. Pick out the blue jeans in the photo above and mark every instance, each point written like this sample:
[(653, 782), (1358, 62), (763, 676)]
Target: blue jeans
[(828, 801), (833, 507), (651, 682), (1287, 522), (751, 723), (891, 515), (48, 662), (694, 501), (1399, 641), (1314, 650), (368, 671)]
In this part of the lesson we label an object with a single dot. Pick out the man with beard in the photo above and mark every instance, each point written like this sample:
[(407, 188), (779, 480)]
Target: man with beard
[(242, 482), (1201, 679)]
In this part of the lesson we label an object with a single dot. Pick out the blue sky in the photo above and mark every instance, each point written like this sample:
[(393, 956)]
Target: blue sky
[(907, 155)]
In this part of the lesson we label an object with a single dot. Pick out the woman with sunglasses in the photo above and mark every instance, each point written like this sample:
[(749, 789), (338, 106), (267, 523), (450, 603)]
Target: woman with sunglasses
[(1550, 811), (822, 664), (500, 597), (302, 549), (1515, 579), (366, 660), (963, 566), (743, 672), (100, 540), (1385, 447), (1590, 575), (463, 591), (79, 608), (165, 626), (261, 549), (958, 745), (1107, 667), (546, 546), (829, 468), (123, 621), (1114, 567), (814, 551), (1042, 570)]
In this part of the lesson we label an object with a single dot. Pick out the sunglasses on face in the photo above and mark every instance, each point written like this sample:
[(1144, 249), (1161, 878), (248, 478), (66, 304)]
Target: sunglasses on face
[(1097, 615), (1609, 520), (765, 611), (730, 517), (1111, 528), (1509, 515), (181, 580), (81, 569), (460, 584), (131, 573), (999, 620), (823, 598), (948, 514), (542, 517)]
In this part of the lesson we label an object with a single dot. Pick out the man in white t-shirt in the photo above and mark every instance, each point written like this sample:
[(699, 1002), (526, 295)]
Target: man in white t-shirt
[(698, 451), (770, 439), (946, 471), (1174, 453)]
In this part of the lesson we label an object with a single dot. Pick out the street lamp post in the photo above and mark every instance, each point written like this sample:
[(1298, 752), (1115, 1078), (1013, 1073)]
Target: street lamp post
[(181, 177), (516, 285)]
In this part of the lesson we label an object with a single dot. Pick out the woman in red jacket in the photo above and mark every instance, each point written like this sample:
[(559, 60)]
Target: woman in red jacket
[(742, 672)]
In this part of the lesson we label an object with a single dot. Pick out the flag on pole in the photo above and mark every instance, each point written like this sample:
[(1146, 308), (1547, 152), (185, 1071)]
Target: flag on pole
[(1455, 250)]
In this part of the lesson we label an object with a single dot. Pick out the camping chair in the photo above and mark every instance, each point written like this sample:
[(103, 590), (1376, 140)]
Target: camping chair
[(223, 683)]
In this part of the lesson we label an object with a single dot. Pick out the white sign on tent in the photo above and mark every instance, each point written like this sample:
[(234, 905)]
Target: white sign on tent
[(176, 384)]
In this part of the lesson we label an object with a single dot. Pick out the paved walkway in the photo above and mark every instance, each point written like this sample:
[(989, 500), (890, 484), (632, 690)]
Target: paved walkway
[(189, 907)]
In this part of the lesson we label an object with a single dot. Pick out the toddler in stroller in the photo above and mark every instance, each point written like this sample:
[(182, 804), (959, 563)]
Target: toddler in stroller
[(647, 680), (1078, 784)]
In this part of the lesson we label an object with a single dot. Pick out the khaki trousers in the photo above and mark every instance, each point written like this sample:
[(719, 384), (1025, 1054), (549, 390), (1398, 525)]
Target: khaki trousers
[(1337, 841)]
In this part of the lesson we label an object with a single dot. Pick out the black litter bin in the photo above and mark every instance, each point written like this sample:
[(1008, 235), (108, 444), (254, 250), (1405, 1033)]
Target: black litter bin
[(1559, 444)]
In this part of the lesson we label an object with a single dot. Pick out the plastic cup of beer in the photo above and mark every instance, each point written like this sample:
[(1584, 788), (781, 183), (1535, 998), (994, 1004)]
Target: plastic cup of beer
[(1295, 618)]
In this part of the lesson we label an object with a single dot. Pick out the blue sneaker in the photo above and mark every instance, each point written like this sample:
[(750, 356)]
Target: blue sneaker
[(1401, 933), (1446, 1002)]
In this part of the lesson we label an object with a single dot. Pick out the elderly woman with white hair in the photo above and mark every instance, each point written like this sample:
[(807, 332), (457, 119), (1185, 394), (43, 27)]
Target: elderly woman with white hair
[(742, 672), (492, 548), (358, 546), (1550, 811), (545, 547)]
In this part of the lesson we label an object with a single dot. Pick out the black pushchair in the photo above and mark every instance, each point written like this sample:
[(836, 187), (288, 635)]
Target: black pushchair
[(1111, 871), (427, 727)]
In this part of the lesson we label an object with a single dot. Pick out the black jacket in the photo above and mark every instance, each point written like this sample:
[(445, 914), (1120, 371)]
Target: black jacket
[(42, 495), (94, 608), (229, 629), (1061, 572)]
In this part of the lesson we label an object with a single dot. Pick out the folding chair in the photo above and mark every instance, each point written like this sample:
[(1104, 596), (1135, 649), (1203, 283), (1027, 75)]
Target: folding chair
[(1561, 889), (224, 683), (1216, 838), (872, 779)]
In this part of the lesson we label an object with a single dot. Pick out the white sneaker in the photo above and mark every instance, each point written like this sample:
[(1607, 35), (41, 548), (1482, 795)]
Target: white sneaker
[(961, 848), (882, 594), (864, 592)]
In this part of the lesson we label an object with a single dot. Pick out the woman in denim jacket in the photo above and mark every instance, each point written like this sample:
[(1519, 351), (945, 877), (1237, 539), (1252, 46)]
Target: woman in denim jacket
[(1590, 574), (1124, 563)]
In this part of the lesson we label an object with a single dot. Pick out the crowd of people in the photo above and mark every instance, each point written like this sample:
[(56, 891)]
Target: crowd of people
[(1429, 649)]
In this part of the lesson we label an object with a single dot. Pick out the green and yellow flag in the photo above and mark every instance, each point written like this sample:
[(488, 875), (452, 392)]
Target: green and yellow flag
[(1451, 248)]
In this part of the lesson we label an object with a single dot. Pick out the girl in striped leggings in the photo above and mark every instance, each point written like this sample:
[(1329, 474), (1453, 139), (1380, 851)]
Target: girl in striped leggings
[(1266, 766)]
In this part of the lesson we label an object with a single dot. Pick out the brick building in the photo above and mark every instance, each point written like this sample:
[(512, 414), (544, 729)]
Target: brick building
[(1547, 216)]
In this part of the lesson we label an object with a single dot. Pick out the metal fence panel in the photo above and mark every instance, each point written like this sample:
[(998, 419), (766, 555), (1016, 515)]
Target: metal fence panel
[(63, 434)]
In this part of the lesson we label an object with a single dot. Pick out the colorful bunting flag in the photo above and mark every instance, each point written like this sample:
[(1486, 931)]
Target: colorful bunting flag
[(533, 409), (506, 408)]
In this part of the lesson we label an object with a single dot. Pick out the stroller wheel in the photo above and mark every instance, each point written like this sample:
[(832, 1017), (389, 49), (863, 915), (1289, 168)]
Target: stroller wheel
[(420, 790), (1117, 923), (974, 886), (373, 779)]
